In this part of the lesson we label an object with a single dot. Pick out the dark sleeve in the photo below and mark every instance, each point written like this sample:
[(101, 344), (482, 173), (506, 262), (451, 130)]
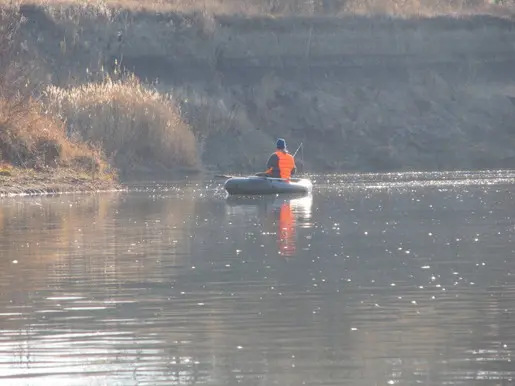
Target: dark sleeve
[(294, 166), (273, 162)]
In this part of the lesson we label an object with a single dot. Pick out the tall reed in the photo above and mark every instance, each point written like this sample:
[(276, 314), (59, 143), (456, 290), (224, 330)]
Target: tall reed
[(133, 124)]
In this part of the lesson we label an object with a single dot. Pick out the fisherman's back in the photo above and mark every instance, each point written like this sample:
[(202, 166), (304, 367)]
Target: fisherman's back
[(281, 165)]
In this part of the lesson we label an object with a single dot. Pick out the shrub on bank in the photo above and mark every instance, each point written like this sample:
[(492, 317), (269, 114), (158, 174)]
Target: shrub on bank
[(134, 125), (30, 138)]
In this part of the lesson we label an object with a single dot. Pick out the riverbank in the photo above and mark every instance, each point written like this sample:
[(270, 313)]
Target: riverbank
[(160, 89), (66, 136), (22, 182)]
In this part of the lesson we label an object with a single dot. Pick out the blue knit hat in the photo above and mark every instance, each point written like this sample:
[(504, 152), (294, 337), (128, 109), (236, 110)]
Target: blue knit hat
[(281, 143)]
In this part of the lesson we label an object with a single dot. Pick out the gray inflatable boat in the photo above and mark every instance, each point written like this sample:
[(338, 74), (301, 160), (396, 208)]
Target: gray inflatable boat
[(257, 185)]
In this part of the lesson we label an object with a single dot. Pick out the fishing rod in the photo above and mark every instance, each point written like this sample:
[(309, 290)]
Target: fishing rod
[(294, 154), (301, 155)]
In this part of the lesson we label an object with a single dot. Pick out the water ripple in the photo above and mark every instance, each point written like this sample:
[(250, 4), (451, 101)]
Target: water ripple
[(387, 279)]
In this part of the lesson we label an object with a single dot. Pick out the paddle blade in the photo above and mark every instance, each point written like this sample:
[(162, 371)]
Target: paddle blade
[(222, 176)]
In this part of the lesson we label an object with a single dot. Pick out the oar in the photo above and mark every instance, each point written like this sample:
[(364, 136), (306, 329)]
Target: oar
[(225, 176)]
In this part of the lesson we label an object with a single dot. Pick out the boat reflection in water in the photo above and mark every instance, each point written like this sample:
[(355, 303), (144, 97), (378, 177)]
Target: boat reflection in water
[(279, 214)]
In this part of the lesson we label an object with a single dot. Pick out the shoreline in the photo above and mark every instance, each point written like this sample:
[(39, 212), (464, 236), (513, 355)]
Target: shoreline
[(18, 182), (29, 182), (53, 192)]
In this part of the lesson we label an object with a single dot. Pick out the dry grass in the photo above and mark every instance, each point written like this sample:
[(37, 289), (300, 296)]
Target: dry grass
[(134, 125), (137, 127), (29, 138), (292, 7)]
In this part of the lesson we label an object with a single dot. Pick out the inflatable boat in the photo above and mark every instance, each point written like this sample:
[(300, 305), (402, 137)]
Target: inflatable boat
[(257, 185)]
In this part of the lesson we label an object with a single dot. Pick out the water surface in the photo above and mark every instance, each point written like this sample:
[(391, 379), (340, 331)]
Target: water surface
[(391, 279)]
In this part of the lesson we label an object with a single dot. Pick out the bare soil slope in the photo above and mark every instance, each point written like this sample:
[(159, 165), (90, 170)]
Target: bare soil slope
[(363, 93)]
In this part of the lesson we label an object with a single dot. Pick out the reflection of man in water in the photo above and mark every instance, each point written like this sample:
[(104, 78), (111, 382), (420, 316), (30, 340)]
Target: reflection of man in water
[(286, 230), (280, 216)]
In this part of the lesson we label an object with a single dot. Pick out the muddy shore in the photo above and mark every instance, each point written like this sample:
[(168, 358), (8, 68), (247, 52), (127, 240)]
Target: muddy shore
[(28, 182)]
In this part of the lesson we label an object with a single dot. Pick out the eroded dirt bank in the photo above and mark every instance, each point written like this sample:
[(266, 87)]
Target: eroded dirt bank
[(361, 93)]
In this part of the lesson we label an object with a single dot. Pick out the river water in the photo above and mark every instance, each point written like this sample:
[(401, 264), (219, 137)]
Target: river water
[(379, 279)]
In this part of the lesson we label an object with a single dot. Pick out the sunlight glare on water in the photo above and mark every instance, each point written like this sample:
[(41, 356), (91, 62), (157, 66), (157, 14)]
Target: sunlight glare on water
[(375, 279)]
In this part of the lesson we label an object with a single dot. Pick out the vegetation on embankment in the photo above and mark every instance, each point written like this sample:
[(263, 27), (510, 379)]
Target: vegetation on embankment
[(80, 137), (404, 8), (36, 155), (369, 92), (140, 130)]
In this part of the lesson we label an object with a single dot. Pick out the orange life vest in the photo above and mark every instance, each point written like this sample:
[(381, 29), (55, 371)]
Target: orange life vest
[(286, 164)]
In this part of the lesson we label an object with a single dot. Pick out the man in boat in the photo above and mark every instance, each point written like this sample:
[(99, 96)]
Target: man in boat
[(281, 163)]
